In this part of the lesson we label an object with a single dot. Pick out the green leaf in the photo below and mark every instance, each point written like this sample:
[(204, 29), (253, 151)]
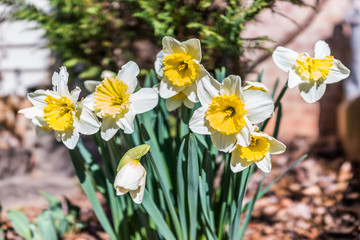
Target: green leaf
[(157, 217), (51, 199), (235, 222), (181, 191), (252, 203), (193, 185), (133, 154), (87, 186), (46, 226), (259, 78), (20, 223), (277, 123)]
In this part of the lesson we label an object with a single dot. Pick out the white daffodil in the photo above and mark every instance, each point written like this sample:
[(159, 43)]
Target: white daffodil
[(115, 101), (175, 102), (178, 66), (228, 112), (311, 74), (259, 152), (60, 111), (131, 175)]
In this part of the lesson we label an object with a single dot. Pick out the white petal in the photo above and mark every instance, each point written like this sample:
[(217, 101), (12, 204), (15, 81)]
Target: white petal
[(39, 121), (284, 58), (90, 85), (74, 95), (259, 105), (88, 101), (121, 191), (138, 195), (127, 122), (337, 73), (321, 49), (188, 104), (244, 136), (265, 163), (88, 123), (276, 147), (108, 128), (191, 92), (207, 88), (158, 64), (31, 112), (231, 85), (144, 100), (60, 82), (55, 80), (37, 98), (167, 89), (70, 138), (294, 79), (193, 48), (62, 76), (107, 74), (197, 122), (237, 163), (129, 177), (311, 92), (223, 142), (171, 45), (128, 74), (255, 84), (172, 104)]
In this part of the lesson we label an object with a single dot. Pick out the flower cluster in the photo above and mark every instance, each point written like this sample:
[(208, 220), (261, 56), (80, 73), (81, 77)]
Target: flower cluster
[(229, 111)]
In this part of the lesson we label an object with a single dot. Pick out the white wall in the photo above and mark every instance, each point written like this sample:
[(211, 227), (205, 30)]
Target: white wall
[(24, 60)]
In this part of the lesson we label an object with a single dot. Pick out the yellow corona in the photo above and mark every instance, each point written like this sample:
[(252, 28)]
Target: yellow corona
[(312, 68)]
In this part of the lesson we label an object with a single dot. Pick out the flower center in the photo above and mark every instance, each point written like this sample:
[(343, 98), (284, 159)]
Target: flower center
[(179, 96), (256, 151), (59, 113), (313, 69), (226, 114), (180, 69), (110, 98)]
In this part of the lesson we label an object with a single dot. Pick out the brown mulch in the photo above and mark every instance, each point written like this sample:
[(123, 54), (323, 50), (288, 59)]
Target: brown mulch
[(318, 199)]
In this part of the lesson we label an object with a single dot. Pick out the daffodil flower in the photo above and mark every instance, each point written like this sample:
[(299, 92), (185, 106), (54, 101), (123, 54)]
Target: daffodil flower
[(310, 74), (259, 152), (59, 110), (228, 112), (131, 175), (115, 101), (178, 66)]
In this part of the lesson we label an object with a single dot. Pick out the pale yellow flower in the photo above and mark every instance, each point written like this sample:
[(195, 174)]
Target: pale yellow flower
[(228, 112), (60, 111), (178, 66), (310, 74), (115, 101), (259, 152)]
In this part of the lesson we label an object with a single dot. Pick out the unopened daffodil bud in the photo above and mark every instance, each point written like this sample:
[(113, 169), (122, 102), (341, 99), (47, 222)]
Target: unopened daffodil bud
[(131, 175)]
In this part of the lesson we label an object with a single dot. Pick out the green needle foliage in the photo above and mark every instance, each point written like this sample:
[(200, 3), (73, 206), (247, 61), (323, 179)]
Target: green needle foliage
[(100, 34)]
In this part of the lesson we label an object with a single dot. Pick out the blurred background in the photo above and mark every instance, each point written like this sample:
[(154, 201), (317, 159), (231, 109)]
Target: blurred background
[(317, 200)]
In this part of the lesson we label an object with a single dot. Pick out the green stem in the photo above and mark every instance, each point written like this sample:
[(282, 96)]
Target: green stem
[(166, 194), (168, 200)]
